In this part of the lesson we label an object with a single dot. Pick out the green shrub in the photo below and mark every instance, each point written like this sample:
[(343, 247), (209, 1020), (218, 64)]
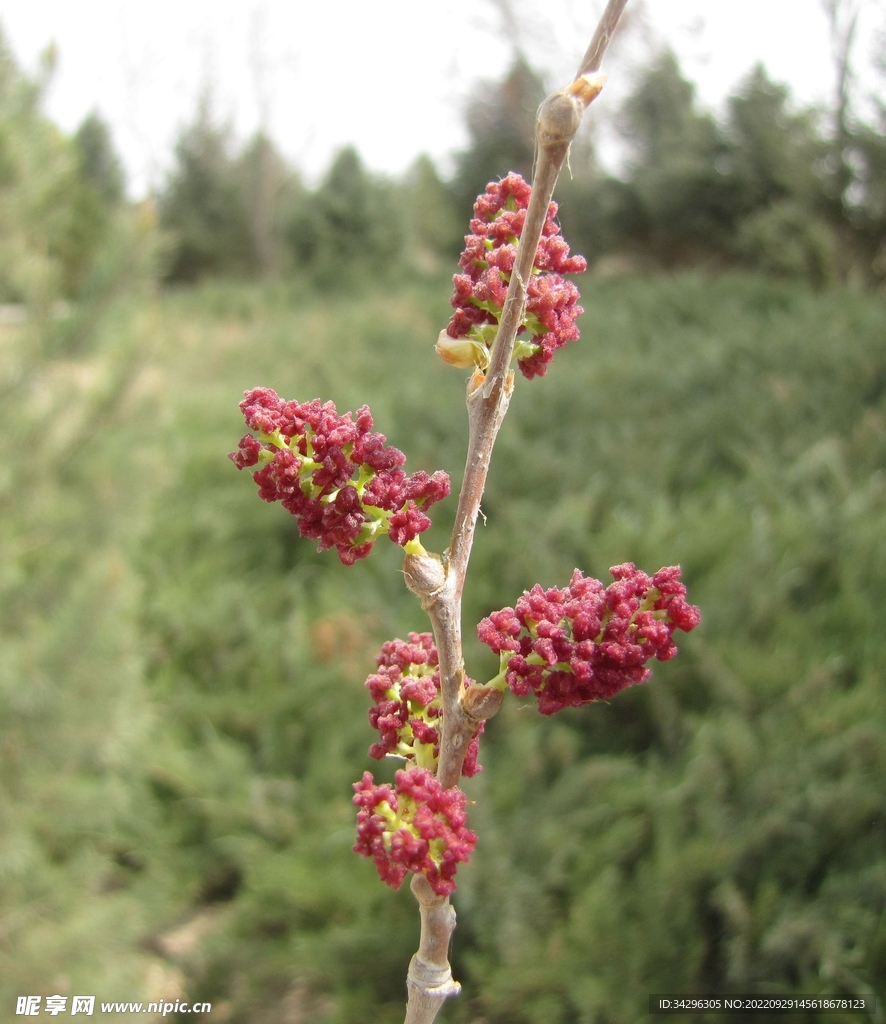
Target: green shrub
[(182, 708)]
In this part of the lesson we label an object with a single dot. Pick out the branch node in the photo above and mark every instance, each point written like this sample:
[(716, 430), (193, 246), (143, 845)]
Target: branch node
[(424, 575), (558, 120), (587, 87), (430, 979), (480, 703)]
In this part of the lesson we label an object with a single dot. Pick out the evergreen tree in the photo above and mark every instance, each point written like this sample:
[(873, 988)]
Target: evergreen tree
[(868, 215), (776, 167), (58, 195), (867, 210), (99, 163), (204, 206), (37, 176), (435, 232), (95, 196), (350, 227), (774, 154), (678, 206), (501, 126), (270, 191)]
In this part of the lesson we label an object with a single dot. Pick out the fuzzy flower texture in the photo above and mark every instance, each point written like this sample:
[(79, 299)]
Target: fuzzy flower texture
[(414, 826), (570, 647), (406, 691), (341, 482), (488, 262), (418, 826)]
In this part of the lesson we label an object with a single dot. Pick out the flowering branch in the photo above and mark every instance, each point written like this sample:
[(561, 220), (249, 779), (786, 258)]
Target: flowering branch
[(440, 586), (347, 489)]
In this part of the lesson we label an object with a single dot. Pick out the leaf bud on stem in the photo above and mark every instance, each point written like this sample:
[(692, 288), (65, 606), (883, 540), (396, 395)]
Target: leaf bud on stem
[(423, 572)]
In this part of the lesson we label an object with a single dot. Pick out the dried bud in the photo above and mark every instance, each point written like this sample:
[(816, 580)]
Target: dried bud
[(424, 574), (482, 702)]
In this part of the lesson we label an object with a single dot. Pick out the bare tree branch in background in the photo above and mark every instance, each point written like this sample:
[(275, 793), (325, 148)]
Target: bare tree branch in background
[(263, 210), (843, 23), (510, 23)]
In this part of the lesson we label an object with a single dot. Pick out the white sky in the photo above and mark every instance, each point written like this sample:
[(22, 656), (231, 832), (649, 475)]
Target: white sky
[(390, 76)]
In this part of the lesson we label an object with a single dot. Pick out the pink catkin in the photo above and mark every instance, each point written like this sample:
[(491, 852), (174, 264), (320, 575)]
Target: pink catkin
[(341, 449), (488, 262), (430, 819), (584, 643), (406, 691)]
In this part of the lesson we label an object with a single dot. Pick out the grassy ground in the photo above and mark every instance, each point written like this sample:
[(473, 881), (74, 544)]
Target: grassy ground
[(180, 675)]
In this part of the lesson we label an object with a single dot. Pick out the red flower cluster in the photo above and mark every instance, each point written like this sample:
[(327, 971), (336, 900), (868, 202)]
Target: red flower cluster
[(488, 262), (340, 480), (418, 827), (406, 691), (587, 642)]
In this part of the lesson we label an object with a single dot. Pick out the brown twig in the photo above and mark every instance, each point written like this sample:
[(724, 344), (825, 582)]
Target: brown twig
[(440, 584), (593, 59)]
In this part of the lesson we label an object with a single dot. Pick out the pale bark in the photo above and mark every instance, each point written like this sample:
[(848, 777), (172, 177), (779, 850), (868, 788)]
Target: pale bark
[(440, 584)]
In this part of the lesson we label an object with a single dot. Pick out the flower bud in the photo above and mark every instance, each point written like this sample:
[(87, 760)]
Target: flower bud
[(408, 706), (340, 480), (463, 353), (414, 825)]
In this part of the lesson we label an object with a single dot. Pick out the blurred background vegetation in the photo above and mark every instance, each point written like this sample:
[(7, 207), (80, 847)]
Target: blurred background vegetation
[(181, 701)]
